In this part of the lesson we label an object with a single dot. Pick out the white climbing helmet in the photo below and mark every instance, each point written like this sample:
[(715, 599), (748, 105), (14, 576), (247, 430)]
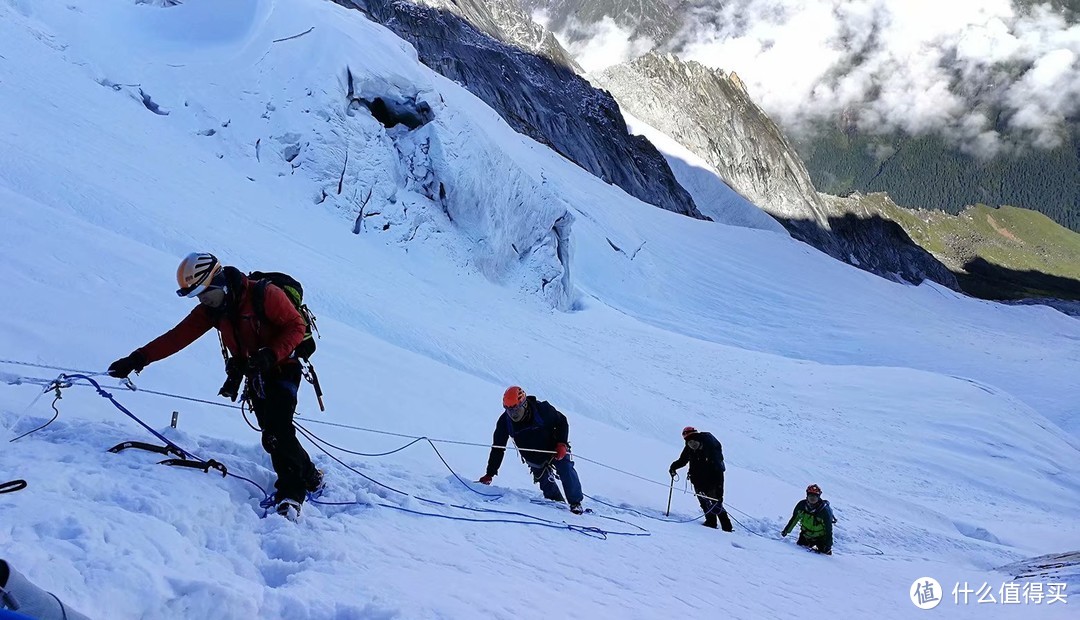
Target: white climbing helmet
[(195, 273)]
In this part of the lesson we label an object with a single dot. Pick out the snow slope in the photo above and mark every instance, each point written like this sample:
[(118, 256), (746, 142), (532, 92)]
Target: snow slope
[(941, 428)]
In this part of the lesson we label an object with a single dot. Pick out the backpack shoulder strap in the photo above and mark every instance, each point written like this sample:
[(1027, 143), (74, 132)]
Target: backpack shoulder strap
[(258, 299), (540, 404)]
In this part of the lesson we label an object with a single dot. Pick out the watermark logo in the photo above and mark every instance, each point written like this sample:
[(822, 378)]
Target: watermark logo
[(925, 593)]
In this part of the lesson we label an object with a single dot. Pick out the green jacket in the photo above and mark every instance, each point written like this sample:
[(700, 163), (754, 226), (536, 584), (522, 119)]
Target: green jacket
[(816, 522)]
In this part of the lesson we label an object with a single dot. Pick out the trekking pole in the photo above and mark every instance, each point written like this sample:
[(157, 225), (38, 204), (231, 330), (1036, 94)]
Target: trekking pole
[(671, 488)]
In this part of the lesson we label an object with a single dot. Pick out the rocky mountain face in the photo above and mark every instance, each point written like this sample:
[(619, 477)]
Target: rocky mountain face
[(492, 50), (711, 114), (866, 231), (506, 21), (706, 110)]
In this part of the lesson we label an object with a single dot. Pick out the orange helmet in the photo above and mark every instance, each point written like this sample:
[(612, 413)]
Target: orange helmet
[(813, 489), (689, 430), (513, 396)]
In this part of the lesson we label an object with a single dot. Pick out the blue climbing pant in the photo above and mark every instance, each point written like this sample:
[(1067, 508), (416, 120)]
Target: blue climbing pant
[(545, 476)]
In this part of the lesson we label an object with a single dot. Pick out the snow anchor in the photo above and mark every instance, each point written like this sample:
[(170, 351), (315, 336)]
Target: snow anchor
[(204, 466), (149, 447), (12, 486)]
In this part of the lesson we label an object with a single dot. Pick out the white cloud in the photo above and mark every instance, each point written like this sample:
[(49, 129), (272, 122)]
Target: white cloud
[(602, 45), (917, 65)]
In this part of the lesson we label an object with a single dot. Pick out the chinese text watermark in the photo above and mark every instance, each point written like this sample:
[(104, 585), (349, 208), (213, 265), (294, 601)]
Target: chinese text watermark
[(927, 593)]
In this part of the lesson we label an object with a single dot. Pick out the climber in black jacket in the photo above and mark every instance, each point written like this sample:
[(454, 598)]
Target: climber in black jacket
[(541, 434), (706, 458)]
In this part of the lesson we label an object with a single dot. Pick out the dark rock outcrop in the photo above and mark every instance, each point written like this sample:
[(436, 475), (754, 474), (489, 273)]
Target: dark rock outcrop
[(537, 96)]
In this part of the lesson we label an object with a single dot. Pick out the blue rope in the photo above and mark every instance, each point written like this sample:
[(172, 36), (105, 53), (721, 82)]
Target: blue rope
[(353, 452), (161, 437), (312, 436), (267, 500), (494, 496), (124, 410), (642, 514), (315, 442), (586, 530), (544, 502), (593, 532)]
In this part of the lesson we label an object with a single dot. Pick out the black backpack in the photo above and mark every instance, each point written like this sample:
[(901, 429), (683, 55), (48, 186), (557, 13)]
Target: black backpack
[(295, 292)]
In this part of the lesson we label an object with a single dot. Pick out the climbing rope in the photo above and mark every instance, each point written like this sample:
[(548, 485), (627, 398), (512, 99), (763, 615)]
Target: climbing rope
[(243, 411), (312, 437), (534, 520), (66, 380), (195, 461), (89, 373), (55, 385)]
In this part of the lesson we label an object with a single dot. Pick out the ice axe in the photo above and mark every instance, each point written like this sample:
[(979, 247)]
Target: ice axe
[(313, 379)]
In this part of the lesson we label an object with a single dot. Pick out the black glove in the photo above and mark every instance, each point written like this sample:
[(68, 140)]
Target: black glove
[(236, 366), (263, 360), (124, 366), (671, 470)]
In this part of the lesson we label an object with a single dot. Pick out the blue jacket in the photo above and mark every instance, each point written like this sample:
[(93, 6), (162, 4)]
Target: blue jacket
[(543, 427)]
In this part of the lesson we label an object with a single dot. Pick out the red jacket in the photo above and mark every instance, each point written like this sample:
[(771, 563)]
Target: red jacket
[(242, 331)]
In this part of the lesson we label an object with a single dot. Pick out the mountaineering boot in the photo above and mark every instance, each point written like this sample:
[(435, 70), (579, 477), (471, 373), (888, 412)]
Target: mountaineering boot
[(316, 483), (710, 521), (289, 508), (576, 509), (725, 522)]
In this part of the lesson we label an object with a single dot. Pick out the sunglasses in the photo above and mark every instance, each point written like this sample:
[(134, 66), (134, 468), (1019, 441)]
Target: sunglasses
[(517, 412), (693, 444), (196, 290)]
